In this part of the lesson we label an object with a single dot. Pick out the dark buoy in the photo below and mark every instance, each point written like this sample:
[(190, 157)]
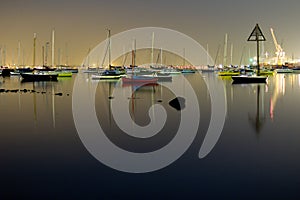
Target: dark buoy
[(178, 103), (59, 94), (110, 97), (159, 100)]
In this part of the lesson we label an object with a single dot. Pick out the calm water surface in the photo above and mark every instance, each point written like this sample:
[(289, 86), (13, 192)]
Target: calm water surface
[(256, 156)]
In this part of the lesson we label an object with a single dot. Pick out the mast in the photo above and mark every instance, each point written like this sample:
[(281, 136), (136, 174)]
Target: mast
[(88, 58), (133, 52), (19, 53), (183, 56), (161, 57), (59, 56), (109, 50), (67, 55), (152, 44), (23, 57), (231, 53), (225, 51), (34, 46), (124, 57), (4, 55), (207, 55), (53, 46), (43, 55), (242, 56), (217, 54), (46, 53), (13, 58)]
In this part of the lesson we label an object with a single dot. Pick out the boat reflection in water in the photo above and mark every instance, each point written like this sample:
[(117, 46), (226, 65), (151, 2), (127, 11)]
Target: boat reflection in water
[(41, 97), (259, 119), (134, 104)]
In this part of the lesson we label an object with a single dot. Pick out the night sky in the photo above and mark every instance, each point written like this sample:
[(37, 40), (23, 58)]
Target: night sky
[(81, 24)]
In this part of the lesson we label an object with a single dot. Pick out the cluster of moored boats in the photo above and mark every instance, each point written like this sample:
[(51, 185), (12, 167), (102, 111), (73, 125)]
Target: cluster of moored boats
[(142, 75), (39, 73), (249, 75), (237, 71), (136, 74)]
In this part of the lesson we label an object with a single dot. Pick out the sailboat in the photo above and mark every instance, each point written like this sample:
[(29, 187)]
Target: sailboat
[(109, 73), (135, 79), (166, 77), (37, 74)]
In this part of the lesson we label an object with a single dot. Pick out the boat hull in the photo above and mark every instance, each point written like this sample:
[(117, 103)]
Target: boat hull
[(65, 74), (187, 71), (228, 73), (139, 80), (296, 71), (161, 78), (39, 77), (103, 77), (249, 79), (283, 71), (267, 73)]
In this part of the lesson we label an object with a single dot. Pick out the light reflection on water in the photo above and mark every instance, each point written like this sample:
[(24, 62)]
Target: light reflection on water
[(257, 154)]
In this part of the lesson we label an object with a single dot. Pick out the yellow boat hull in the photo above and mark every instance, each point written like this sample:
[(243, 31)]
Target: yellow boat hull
[(228, 73)]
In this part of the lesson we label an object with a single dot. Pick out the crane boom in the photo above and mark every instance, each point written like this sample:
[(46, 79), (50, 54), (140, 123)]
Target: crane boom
[(277, 46), (279, 51)]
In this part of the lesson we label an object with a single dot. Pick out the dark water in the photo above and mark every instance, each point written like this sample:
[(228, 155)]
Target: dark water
[(256, 156)]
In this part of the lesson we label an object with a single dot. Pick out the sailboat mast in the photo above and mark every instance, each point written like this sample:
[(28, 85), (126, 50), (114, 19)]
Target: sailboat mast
[(88, 58), (183, 56), (152, 44), (46, 53), (134, 52), (109, 50), (225, 51), (4, 55), (231, 54), (67, 55), (53, 47), (43, 55), (58, 56), (124, 57), (34, 46), (19, 53), (207, 55), (160, 57)]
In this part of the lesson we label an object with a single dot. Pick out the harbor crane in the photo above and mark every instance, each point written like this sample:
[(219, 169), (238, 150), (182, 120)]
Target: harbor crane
[(280, 54)]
